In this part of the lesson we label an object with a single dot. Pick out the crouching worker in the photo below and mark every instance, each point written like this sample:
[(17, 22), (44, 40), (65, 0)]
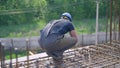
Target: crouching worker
[(53, 39)]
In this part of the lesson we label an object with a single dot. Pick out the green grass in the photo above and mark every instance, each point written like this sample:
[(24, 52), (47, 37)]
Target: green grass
[(27, 30), (20, 53), (87, 26), (23, 30)]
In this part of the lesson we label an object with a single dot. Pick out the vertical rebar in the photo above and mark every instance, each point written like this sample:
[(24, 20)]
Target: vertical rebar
[(106, 23), (97, 13), (10, 65), (27, 48), (119, 29), (82, 34), (1, 59), (11, 53), (111, 21), (115, 21), (16, 54), (2, 55)]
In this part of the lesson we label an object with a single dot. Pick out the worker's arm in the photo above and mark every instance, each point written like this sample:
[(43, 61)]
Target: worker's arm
[(73, 34)]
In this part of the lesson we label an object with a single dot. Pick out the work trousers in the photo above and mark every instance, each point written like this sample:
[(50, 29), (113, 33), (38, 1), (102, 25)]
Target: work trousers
[(56, 49)]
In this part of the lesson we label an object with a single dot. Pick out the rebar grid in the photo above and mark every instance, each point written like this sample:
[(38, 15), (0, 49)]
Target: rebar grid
[(93, 56)]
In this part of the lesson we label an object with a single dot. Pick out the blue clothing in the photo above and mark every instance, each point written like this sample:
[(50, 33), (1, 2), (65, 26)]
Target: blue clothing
[(52, 38), (53, 32), (62, 27)]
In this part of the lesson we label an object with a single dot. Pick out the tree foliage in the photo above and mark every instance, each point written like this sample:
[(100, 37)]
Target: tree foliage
[(20, 12), (29, 11)]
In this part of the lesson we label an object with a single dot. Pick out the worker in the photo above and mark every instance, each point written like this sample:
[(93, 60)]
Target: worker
[(54, 41)]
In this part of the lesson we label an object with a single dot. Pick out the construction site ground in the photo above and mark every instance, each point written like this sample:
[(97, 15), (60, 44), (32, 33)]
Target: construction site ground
[(94, 56)]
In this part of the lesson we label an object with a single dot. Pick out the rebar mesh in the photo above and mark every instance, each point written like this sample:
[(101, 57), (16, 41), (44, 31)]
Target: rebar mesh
[(93, 56)]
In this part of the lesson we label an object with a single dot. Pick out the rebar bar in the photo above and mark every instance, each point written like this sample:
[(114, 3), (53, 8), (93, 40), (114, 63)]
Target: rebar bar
[(111, 3), (119, 30), (16, 55), (1, 54), (27, 48), (10, 64)]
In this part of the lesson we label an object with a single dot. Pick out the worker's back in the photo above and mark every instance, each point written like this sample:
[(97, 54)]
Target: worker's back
[(52, 32)]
